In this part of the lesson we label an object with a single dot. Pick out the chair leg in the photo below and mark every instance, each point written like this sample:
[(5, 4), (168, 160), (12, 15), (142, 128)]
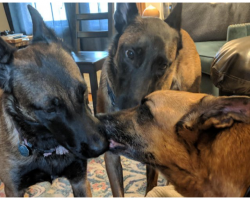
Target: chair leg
[(94, 87)]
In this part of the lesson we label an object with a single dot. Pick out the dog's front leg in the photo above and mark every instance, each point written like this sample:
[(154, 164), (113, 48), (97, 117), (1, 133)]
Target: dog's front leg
[(81, 188), (31, 178), (10, 192), (76, 173), (114, 170), (152, 178)]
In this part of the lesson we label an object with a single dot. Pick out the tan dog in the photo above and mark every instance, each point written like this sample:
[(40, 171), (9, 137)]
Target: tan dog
[(198, 141)]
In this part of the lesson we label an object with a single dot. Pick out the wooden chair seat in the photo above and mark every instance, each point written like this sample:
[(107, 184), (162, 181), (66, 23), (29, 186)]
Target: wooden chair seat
[(90, 62)]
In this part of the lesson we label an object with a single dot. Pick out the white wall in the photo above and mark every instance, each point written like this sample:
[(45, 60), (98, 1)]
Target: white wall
[(3, 20)]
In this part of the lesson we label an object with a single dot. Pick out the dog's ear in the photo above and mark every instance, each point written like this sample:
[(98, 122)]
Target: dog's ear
[(213, 112), (6, 57), (174, 18), (41, 33), (6, 52), (125, 13)]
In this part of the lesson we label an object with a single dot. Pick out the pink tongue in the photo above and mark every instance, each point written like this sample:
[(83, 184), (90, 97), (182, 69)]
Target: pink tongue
[(113, 144)]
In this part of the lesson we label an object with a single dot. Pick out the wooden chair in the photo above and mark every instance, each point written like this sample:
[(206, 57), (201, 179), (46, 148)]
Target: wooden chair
[(91, 61)]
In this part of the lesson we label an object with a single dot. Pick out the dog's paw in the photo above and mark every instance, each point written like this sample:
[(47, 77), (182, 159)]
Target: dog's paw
[(32, 178)]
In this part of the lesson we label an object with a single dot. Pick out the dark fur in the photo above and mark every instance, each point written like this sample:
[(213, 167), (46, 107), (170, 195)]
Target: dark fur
[(164, 57), (43, 99)]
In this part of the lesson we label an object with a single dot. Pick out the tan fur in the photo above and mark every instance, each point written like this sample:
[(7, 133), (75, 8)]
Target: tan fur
[(222, 169), (186, 69), (189, 64), (187, 154)]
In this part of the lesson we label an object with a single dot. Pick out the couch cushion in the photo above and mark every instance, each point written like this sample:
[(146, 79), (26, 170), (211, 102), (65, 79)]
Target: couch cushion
[(231, 67), (207, 52), (209, 21)]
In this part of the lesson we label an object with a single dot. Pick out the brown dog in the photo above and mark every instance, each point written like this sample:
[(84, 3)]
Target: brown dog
[(146, 55), (198, 141)]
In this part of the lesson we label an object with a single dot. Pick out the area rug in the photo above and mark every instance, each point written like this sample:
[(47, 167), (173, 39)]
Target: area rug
[(134, 175)]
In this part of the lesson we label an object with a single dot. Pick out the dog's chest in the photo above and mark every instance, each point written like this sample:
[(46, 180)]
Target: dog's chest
[(54, 165)]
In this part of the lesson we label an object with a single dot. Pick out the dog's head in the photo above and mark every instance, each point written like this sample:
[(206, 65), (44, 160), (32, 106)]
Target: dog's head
[(46, 95), (143, 53), (169, 125)]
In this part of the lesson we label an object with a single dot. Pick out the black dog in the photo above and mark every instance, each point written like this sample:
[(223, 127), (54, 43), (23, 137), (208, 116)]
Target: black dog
[(46, 128), (146, 55)]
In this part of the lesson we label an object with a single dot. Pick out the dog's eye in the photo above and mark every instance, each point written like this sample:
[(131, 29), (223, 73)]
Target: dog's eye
[(163, 67), (130, 54), (55, 101), (161, 63)]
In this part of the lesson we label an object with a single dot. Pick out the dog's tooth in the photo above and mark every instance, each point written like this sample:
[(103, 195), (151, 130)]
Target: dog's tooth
[(65, 150), (58, 150), (46, 154), (25, 142), (61, 150)]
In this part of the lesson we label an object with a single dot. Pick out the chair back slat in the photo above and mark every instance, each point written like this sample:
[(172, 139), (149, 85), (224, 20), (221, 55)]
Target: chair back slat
[(94, 16), (92, 34)]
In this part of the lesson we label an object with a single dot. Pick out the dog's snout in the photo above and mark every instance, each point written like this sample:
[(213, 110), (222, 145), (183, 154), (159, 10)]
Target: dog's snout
[(107, 123), (97, 145)]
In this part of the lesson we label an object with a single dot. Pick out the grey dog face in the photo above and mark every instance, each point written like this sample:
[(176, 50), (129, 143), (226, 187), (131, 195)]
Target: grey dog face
[(46, 94), (143, 53)]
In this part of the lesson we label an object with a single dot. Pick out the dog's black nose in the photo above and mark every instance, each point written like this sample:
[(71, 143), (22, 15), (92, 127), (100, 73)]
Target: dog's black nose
[(101, 146), (96, 146)]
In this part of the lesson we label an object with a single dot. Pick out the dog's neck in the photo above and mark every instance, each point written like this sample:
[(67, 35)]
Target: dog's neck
[(184, 179), (182, 171), (24, 147), (190, 184), (215, 169)]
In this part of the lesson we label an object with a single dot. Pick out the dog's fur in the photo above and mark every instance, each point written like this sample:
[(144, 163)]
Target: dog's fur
[(43, 100), (146, 55), (199, 142)]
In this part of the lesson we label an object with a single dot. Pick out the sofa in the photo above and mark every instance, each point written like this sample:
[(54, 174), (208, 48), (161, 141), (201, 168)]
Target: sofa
[(211, 25), (230, 70)]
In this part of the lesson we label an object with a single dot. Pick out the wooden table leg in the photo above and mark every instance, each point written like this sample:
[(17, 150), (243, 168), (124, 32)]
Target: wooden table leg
[(94, 87)]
